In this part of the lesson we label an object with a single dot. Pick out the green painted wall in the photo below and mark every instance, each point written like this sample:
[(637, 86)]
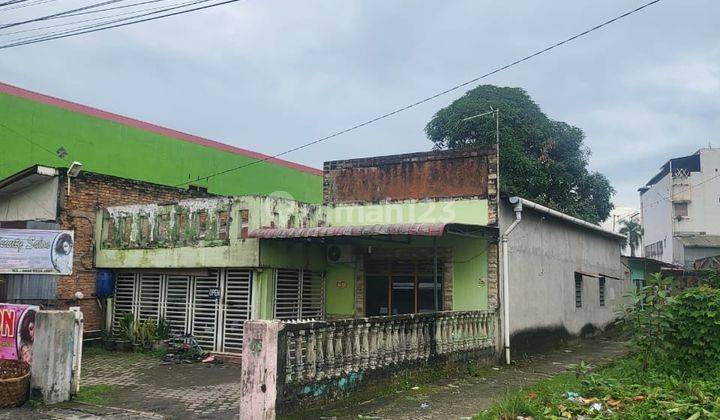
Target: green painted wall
[(340, 301), (637, 269), (457, 211), (107, 147), (469, 274)]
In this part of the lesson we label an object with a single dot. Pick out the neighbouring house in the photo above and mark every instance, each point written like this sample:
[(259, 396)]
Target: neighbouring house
[(124, 161), (37, 129), (39, 197), (564, 274), (681, 211), (641, 268)]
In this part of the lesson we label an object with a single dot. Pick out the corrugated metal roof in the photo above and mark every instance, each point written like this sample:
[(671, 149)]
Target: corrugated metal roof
[(415, 229), (700, 241)]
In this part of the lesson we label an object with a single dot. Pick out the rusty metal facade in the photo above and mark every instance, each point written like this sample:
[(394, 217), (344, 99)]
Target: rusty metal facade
[(427, 175)]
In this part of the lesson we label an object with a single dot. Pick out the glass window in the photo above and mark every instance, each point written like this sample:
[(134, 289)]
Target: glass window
[(401, 287)]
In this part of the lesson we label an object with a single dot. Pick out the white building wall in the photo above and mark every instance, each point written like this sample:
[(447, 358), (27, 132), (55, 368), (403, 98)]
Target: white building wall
[(702, 192), (544, 255), (704, 206), (656, 216)]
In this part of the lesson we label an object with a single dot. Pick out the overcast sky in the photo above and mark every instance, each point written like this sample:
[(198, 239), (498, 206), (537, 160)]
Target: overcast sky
[(269, 75)]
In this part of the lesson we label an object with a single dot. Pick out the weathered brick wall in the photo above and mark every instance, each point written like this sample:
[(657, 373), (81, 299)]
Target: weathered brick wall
[(438, 174), (88, 193)]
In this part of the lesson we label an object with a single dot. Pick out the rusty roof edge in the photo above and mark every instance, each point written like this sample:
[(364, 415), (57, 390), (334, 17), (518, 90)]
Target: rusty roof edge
[(414, 229)]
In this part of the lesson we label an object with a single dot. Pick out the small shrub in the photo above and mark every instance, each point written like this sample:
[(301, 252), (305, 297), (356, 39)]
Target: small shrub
[(677, 334)]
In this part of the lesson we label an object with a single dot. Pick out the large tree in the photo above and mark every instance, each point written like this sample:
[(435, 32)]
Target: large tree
[(540, 159)]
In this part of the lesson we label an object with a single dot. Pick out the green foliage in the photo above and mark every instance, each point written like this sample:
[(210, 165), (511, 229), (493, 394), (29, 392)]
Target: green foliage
[(143, 332), (622, 391), (540, 159), (677, 334), (647, 319), (695, 338), (127, 328), (146, 333), (633, 232), (164, 329)]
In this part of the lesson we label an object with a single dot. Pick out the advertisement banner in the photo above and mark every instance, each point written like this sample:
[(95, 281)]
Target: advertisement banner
[(29, 251), (17, 331)]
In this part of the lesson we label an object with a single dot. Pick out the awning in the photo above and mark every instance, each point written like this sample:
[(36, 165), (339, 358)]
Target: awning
[(396, 229)]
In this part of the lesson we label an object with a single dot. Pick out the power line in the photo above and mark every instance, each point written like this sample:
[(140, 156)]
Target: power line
[(7, 3), (30, 141), (179, 5), (101, 26), (429, 98), (20, 6), (683, 190), (55, 15), (113, 8)]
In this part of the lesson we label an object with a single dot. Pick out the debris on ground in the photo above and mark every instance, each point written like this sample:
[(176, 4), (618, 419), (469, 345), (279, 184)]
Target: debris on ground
[(184, 348)]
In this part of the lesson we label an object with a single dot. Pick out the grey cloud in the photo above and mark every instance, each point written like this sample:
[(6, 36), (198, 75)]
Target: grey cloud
[(269, 75)]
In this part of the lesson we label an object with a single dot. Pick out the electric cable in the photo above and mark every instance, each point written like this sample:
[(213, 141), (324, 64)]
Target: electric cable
[(427, 99)]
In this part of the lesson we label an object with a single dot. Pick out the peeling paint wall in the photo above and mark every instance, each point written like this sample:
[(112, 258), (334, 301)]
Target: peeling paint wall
[(208, 232)]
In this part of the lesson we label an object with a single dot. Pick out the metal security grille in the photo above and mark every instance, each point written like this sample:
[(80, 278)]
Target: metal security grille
[(601, 291), (186, 303), (236, 305), (578, 290), (125, 298), (149, 299), (176, 303), (204, 312), (299, 294)]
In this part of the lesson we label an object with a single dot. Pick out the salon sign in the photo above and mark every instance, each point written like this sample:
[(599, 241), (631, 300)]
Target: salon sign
[(17, 331), (29, 251)]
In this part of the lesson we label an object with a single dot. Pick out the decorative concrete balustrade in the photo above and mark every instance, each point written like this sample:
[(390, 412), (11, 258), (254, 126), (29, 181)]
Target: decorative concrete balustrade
[(318, 350)]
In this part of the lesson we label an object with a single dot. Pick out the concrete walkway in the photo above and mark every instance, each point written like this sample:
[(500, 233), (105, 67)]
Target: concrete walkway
[(464, 397), (146, 389)]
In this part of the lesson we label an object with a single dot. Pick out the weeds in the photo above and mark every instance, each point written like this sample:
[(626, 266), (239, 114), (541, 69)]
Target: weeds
[(95, 394)]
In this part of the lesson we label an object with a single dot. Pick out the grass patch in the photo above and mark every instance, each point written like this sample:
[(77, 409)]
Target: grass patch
[(95, 394), (619, 390)]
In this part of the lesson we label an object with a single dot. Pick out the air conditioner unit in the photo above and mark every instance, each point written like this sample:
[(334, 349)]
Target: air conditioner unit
[(339, 254)]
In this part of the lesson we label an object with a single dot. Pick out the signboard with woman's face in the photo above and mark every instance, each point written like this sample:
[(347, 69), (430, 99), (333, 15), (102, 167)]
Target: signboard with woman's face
[(17, 331), (30, 251)]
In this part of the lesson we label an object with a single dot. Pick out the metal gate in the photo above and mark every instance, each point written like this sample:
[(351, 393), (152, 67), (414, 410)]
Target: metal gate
[(190, 304)]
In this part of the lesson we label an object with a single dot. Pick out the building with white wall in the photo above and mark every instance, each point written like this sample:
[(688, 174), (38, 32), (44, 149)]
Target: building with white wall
[(680, 209)]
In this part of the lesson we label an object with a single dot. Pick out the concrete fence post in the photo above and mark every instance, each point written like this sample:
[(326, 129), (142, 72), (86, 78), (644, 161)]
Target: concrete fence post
[(263, 370), (53, 352)]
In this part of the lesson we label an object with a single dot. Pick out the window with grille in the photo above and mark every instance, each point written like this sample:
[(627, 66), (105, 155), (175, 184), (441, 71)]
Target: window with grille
[(578, 290), (299, 294), (601, 290)]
